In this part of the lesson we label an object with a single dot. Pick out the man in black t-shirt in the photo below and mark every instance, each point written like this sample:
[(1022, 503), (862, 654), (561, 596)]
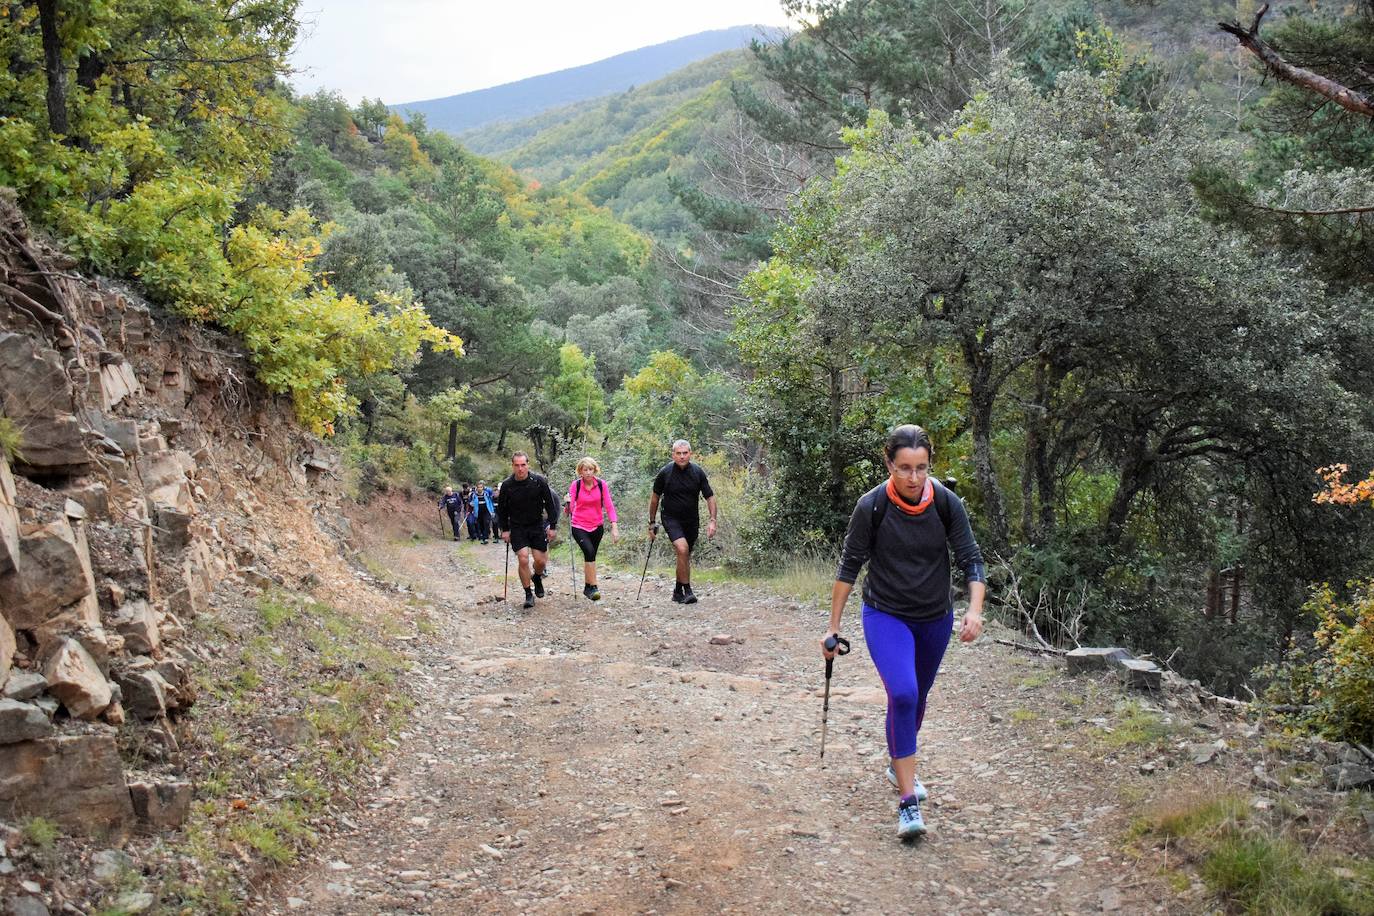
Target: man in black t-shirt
[(679, 484), (525, 502)]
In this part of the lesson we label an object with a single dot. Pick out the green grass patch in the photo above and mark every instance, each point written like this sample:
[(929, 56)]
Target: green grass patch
[(1185, 817), (41, 832), (275, 609), (1136, 726), (1260, 874), (11, 440), (1039, 679), (1024, 715), (1252, 867)]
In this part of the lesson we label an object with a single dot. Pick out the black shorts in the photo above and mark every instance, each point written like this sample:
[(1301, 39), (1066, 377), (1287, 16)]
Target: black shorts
[(536, 538), (677, 528), (589, 541)]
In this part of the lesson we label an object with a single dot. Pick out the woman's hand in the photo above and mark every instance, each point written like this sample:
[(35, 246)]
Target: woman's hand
[(828, 654), (972, 625), (615, 532)]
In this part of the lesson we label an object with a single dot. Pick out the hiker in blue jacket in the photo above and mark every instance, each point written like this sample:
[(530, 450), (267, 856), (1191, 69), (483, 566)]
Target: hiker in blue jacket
[(482, 506)]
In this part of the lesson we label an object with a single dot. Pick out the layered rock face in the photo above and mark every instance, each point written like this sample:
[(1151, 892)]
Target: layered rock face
[(129, 496)]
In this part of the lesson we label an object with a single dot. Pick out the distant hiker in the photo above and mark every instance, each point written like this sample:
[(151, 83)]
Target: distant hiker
[(908, 610), (589, 498), (496, 512), (452, 504), (526, 501), (679, 484), (481, 504), (470, 511)]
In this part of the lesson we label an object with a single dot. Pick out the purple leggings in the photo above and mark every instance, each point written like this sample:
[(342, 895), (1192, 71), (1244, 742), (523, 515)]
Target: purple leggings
[(907, 655)]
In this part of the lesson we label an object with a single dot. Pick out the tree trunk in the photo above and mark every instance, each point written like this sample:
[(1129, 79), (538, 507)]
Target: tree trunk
[(982, 394), (835, 483), (1134, 475), (1237, 574), (452, 439), (52, 66), (501, 441)]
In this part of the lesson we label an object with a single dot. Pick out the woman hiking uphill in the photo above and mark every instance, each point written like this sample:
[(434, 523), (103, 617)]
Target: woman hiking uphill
[(589, 498), (905, 530)]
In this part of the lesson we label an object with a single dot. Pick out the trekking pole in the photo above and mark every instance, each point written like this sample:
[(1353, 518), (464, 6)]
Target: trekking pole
[(505, 580), (840, 646), (441, 521), (572, 558), (646, 561)]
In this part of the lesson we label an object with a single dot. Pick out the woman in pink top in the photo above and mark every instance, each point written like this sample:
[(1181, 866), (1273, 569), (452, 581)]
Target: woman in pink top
[(588, 498)]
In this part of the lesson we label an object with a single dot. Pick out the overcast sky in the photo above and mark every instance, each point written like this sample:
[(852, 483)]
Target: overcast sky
[(409, 50)]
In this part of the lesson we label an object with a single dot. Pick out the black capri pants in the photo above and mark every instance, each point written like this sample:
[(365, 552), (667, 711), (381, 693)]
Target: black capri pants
[(589, 541)]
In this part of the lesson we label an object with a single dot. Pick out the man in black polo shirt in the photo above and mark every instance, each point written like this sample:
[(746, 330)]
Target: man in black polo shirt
[(525, 500), (678, 485)]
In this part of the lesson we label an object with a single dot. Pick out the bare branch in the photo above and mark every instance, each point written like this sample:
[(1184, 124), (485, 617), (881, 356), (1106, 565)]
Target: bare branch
[(1344, 96)]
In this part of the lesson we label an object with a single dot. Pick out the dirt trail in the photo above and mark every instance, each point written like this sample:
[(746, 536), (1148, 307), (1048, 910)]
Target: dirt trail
[(606, 757)]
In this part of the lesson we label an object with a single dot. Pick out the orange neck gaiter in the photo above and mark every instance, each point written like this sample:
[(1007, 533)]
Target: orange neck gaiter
[(927, 497)]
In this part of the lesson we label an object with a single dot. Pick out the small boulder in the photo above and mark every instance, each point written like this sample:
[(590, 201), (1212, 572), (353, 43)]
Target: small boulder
[(22, 722), (137, 623), (1141, 675), (161, 804), (722, 639), (1343, 777), (1086, 660), (109, 865), (54, 577), (75, 679), (24, 685), (75, 780), (145, 693)]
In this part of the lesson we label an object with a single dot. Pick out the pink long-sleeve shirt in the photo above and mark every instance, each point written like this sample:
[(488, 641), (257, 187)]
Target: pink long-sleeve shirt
[(586, 505)]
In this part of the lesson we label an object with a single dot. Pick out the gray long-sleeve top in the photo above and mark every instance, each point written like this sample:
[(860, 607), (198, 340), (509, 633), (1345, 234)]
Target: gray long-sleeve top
[(908, 571)]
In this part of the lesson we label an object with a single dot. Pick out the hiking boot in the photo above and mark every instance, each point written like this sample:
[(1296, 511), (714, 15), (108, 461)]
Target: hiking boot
[(910, 824), (591, 592), (457, 539), (538, 586), (687, 596), (921, 793), (529, 599), (677, 593)]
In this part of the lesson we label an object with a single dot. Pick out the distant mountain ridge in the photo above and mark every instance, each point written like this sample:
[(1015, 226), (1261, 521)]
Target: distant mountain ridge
[(527, 97)]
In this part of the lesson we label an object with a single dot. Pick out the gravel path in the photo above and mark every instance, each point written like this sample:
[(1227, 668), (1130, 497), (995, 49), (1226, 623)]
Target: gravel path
[(608, 757)]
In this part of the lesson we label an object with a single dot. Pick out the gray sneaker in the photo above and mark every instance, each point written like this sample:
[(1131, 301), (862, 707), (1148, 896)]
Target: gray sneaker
[(910, 824), (921, 793)]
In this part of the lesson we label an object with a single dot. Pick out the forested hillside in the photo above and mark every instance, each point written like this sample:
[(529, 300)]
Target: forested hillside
[(529, 97)]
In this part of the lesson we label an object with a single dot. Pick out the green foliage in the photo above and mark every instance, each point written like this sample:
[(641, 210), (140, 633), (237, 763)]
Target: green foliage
[(41, 832), (140, 167), (11, 440), (670, 399), (1014, 283), (575, 390), (1331, 678)]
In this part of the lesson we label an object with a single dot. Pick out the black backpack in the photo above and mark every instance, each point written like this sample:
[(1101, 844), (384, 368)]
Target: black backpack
[(943, 490), (600, 487)]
